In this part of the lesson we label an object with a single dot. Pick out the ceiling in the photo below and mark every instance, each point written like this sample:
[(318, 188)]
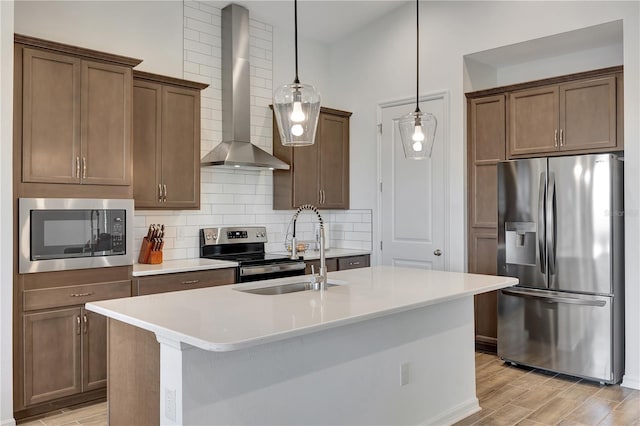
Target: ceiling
[(326, 21)]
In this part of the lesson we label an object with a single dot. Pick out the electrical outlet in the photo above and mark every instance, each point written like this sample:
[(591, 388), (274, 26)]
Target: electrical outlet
[(170, 404), (404, 374)]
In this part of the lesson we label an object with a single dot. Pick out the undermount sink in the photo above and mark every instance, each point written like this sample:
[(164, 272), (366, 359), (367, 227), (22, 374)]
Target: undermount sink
[(285, 288)]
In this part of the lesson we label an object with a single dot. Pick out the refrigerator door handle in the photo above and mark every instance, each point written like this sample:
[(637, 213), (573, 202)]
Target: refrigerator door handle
[(541, 228), (554, 299), (551, 224)]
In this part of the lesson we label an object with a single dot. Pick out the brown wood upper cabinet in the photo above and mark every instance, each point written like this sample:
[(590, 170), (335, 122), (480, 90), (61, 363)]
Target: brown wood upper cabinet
[(76, 115), (319, 173), (166, 142), (576, 116)]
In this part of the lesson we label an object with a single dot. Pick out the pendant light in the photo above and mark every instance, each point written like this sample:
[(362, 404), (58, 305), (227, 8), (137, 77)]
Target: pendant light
[(417, 129), (296, 106)]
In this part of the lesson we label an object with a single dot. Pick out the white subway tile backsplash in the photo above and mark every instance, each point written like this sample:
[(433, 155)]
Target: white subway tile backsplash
[(209, 8), (239, 197), (197, 14), (202, 58), (213, 40), (203, 27), (190, 34)]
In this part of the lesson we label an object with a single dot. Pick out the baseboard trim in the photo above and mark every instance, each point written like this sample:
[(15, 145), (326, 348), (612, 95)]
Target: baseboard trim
[(8, 422), (630, 382), (456, 413)]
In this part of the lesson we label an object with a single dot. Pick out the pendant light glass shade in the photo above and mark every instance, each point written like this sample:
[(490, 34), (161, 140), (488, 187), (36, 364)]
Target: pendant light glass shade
[(417, 132), (297, 107), (417, 129)]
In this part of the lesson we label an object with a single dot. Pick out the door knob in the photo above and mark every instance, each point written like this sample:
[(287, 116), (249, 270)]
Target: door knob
[(437, 252)]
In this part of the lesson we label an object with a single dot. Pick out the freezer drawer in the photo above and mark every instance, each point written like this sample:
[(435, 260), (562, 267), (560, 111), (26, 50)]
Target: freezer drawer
[(558, 331)]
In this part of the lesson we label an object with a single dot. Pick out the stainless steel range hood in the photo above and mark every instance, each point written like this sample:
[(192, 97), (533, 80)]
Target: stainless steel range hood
[(236, 150)]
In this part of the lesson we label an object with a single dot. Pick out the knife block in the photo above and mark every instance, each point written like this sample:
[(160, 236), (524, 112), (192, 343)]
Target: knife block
[(152, 257)]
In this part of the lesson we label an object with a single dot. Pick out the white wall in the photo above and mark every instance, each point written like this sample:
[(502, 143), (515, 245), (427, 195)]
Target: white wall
[(377, 64), (148, 30), (6, 213)]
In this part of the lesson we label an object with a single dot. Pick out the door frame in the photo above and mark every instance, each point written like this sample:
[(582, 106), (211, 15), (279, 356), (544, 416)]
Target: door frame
[(444, 127)]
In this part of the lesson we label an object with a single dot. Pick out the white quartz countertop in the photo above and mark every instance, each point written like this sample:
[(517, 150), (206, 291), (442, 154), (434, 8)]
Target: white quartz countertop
[(225, 319), (184, 265), (332, 252)]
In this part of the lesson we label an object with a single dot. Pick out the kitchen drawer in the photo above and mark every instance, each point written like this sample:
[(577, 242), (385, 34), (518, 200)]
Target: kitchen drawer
[(332, 265), (183, 281), (353, 262), (74, 295)]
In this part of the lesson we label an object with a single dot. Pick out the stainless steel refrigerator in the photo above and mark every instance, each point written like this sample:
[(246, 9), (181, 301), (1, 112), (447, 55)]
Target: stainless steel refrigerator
[(560, 231)]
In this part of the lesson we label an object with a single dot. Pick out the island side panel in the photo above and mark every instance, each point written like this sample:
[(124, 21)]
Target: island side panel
[(345, 375), (133, 376)]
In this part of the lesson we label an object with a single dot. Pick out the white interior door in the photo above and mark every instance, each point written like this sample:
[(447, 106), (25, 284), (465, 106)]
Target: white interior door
[(413, 194)]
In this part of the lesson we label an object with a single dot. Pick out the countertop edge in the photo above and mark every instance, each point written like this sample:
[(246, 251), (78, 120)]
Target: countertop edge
[(163, 269), (244, 344)]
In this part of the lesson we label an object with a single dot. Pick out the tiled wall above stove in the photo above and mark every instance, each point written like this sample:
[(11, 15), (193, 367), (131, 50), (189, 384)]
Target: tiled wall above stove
[(239, 197)]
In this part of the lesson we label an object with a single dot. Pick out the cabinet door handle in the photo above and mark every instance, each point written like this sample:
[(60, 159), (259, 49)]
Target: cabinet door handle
[(159, 193), (77, 324), (190, 282), (81, 294), (164, 198), (84, 167), (555, 138), (77, 167), (561, 137), (85, 320)]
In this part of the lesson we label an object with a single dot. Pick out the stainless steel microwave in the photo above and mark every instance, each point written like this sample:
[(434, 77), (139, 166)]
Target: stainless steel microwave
[(74, 233)]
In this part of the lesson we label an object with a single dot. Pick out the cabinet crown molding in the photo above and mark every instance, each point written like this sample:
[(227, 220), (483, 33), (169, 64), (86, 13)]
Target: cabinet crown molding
[(75, 50), (545, 82)]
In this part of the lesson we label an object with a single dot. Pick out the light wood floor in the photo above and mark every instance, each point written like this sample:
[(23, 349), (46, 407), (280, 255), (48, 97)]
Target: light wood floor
[(518, 396), (508, 396)]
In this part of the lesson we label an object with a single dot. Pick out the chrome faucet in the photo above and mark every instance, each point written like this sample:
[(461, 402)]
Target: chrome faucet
[(321, 283)]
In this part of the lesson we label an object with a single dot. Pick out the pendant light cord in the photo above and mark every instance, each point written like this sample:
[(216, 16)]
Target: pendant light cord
[(295, 25), (417, 55)]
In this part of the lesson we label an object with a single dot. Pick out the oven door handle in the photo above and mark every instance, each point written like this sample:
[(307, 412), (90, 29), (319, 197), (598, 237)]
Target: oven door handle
[(268, 269)]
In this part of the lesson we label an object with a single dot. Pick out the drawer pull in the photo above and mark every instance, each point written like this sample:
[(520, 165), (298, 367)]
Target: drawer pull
[(81, 294), (191, 282), (354, 263)]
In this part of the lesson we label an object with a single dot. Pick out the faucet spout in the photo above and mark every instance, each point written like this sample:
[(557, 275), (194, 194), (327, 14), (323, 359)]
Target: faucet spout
[(321, 284)]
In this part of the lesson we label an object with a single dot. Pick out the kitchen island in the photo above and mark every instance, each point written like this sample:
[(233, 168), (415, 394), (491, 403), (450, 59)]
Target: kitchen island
[(386, 345)]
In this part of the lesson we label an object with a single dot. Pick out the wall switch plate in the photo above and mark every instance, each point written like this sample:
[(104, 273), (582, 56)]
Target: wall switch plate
[(404, 374), (170, 404)]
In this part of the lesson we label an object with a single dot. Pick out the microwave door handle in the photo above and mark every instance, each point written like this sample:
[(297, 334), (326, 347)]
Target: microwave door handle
[(551, 224), (541, 223)]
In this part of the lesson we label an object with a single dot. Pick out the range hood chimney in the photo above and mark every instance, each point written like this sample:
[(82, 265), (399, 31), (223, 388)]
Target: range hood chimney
[(236, 150)]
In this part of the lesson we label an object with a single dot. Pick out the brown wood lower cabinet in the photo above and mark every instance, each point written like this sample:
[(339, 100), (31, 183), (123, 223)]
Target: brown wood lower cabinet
[(60, 353), (183, 281), (134, 394), (65, 353), (339, 263), (52, 349), (332, 265)]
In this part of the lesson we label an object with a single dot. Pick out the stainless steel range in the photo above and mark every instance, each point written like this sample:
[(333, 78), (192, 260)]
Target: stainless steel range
[(245, 245)]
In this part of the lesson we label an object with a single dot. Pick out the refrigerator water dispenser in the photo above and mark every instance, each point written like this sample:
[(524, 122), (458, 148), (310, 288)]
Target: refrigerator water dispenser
[(520, 243)]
